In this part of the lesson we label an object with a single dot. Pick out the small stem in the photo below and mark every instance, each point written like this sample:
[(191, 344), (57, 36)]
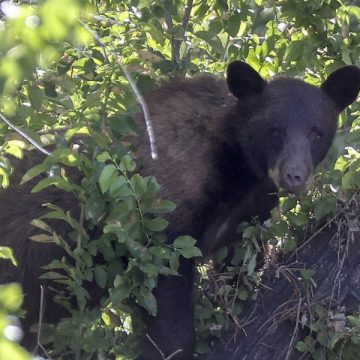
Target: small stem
[(137, 202)]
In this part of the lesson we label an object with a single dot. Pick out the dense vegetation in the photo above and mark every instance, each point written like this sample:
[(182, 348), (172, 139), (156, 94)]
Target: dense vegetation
[(64, 73)]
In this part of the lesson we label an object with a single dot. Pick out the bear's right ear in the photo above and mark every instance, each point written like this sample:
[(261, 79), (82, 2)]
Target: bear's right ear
[(243, 80), (343, 86)]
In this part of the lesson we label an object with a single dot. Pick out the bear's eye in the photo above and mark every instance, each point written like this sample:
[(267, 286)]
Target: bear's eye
[(316, 134), (274, 133)]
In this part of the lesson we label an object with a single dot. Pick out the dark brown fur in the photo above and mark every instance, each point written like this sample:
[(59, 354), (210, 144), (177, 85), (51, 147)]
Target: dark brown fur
[(18, 208)]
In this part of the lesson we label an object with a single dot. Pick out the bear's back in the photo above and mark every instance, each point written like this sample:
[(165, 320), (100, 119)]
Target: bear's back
[(187, 116)]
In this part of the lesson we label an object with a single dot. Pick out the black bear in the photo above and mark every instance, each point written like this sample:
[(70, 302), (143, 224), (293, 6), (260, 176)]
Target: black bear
[(222, 158)]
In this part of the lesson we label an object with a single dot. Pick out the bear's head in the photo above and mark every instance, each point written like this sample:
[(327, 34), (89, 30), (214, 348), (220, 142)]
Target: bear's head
[(286, 126)]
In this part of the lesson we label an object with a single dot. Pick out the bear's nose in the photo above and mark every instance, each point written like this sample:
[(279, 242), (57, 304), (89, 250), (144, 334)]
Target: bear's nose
[(294, 179)]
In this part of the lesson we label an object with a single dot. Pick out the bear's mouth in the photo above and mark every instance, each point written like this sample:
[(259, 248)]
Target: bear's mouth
[(290, 190)]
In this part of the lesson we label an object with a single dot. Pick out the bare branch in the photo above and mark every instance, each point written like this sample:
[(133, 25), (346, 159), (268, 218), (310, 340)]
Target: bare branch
[(296, 328), (186, 18), (142, 102), (140, 99), (156, 347), (41, 313), (160, 352), (176, 43), (24, 135)]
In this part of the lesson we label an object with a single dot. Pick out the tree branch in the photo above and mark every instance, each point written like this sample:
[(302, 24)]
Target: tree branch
[(176, 43), (140, 99)]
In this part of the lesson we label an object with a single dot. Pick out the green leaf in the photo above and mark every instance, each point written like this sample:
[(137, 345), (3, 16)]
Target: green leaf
[(41, 225), (212, 40), (298, 219), (35, 97), (119, 294), (161, 206), (243, 294), (147, 300), (324, 207), (11, 296), (160, 251), (120, 187), (33, 172), (249, 232), (104, 156), (184, 242), (337, 338), (127, 163), (89, 66), (56, 180), (221, 5), (100, 276), (354, 321), (42, 238), (251, 265), (13, 351), (232, 25), (156, 224), (294, 50), (190, 252), (301, 346), (290, 245), (351, 180), (5, 179), (149, 269), (139, 184), (307, 274), (7, 253), (15, 148), (94, 208), (50, 89), (107, 177), (174, 260), (288, 204)]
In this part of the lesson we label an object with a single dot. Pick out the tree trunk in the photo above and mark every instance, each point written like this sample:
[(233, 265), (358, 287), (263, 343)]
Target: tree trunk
[(274, 323)]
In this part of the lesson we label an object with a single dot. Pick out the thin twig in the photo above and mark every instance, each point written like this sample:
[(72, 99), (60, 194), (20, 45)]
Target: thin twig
[(24, 135), (173, 354), (277, 314), (155, 345), (145, 109), (296, 328), (160, 352), (41, 313), (336, 281), (140, 99)]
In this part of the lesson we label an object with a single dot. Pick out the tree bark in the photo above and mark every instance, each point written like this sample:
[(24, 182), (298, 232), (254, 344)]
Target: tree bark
[(274, 322)]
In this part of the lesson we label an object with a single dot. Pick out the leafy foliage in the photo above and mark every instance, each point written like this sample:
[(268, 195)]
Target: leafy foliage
[(10, 302), (61, 78)]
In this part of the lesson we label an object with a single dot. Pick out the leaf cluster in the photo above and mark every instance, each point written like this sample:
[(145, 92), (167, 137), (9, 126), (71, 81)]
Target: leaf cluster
[(62, 84)]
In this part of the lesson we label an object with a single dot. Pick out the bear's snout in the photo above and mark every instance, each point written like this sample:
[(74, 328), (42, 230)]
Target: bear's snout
[(292, 175), (295, 178)]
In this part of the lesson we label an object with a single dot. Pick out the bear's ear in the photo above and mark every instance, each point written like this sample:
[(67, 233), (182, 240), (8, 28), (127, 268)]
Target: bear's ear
[(243, 80), (343, 86)]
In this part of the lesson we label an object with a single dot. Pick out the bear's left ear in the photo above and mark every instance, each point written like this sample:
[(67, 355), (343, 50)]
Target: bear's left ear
[(343, 86), (243, 80)]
